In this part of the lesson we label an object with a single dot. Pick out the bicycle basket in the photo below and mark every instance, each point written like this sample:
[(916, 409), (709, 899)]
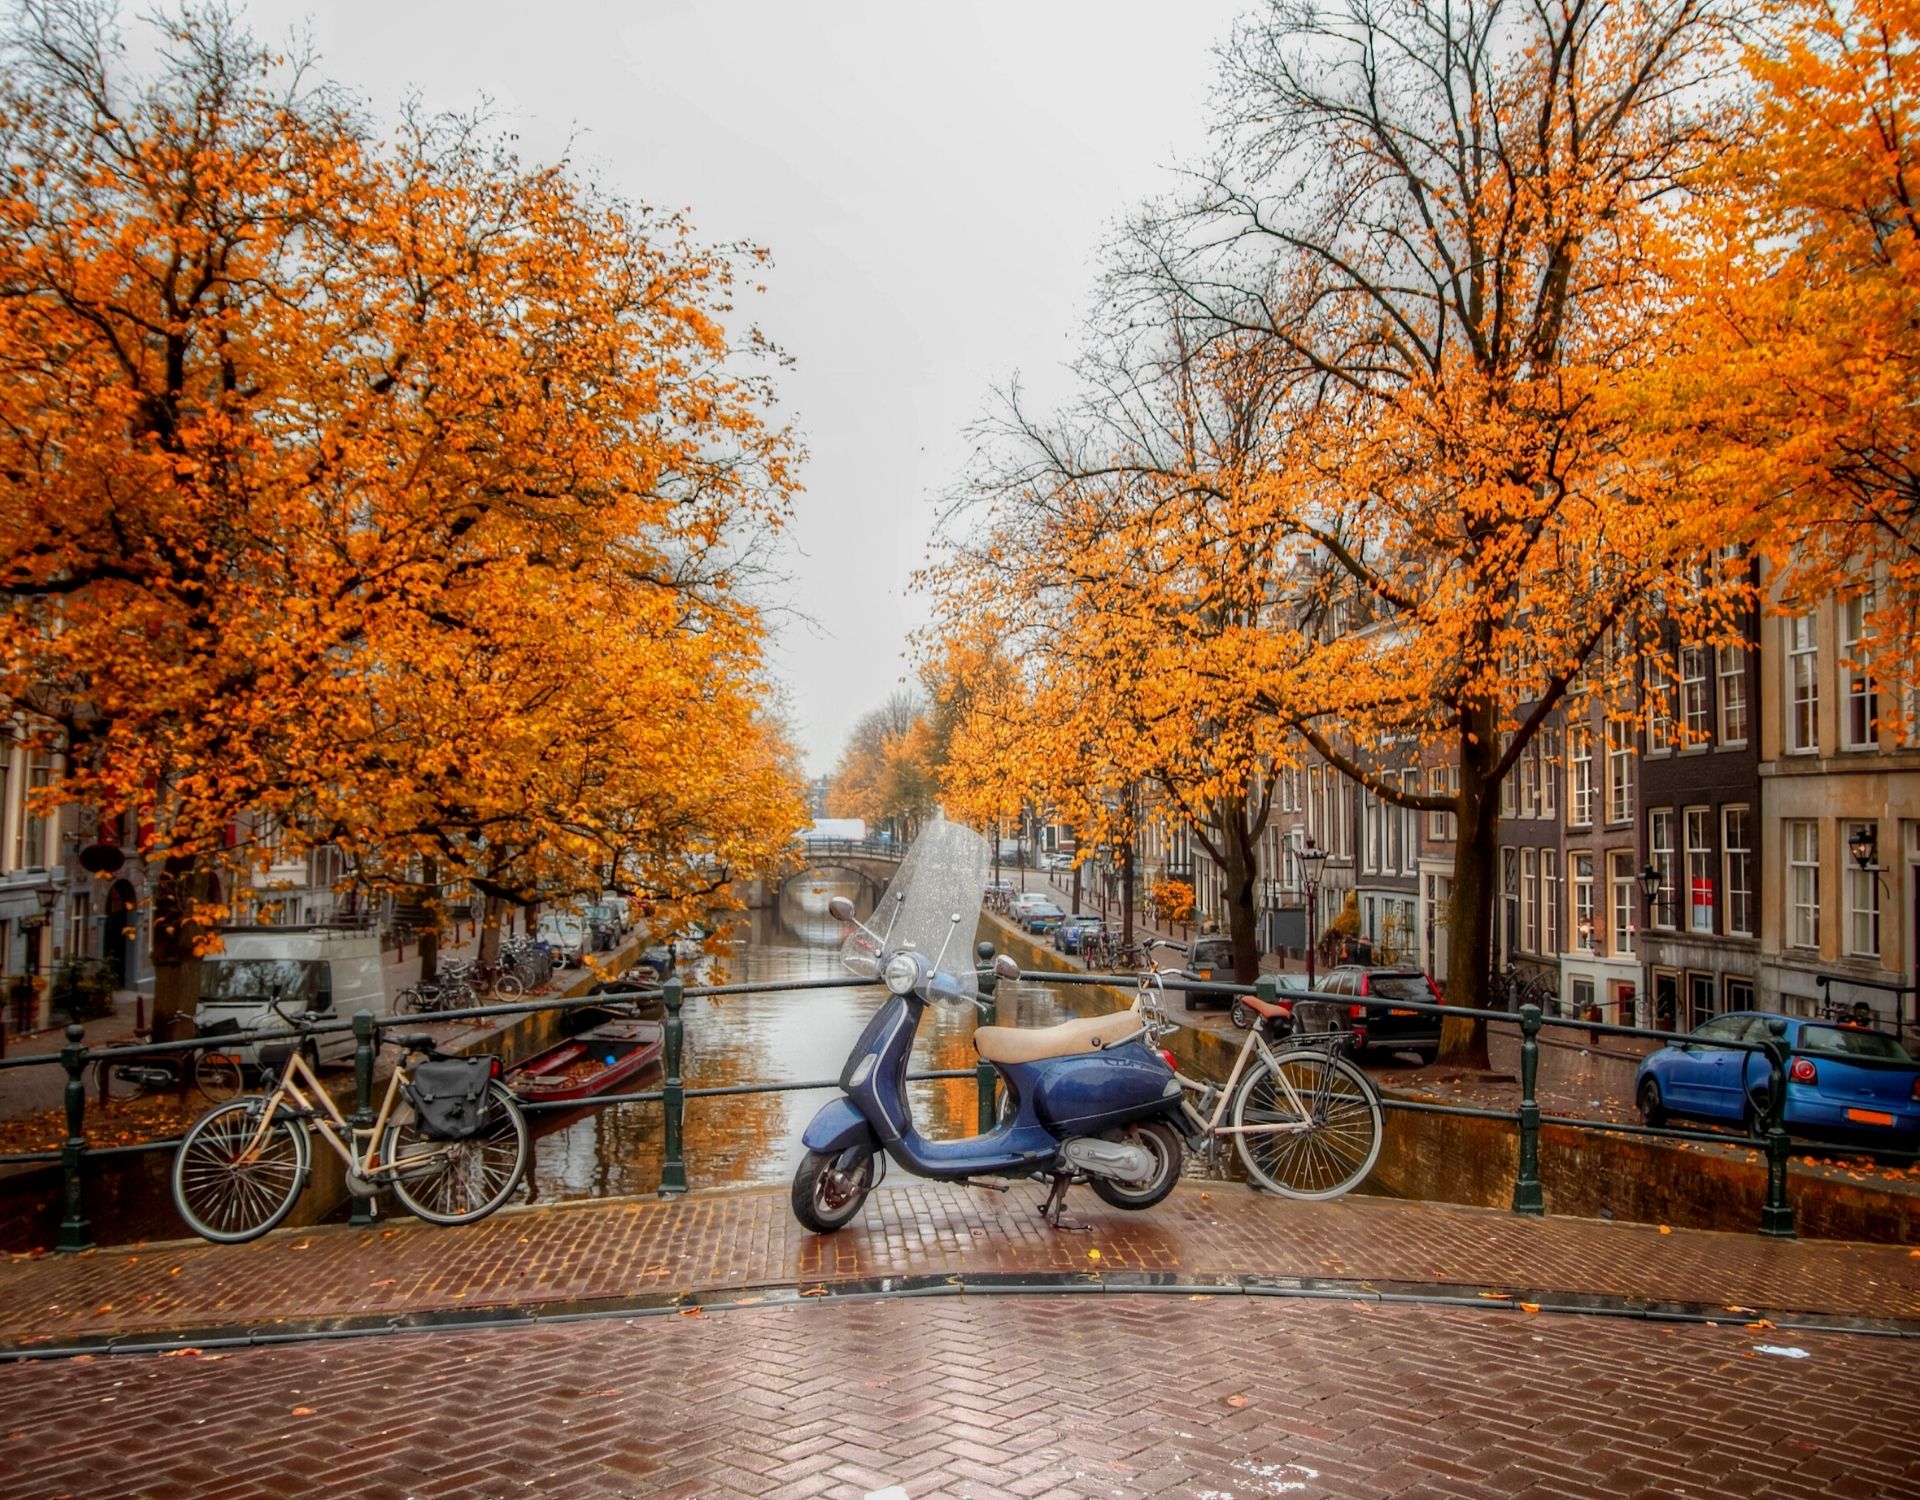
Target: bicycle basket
[(450, 1097), (227, 1026), (275, 1054)]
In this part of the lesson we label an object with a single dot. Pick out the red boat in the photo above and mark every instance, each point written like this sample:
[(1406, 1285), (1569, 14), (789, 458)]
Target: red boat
[(597, 1061)]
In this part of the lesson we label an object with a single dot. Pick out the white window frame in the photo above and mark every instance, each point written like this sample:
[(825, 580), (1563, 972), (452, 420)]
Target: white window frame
[(1859, 701), (1661, 855), (1659, 690), (1802, 698), (1736, 858), (1550, 902), (1549, 743), (1733, 696), (1863, 900), (1581, 795), (1529, 899), (1696, 824), (1802, 839), (1696, 697), (1626, 890), (1619, 772), (1580, 876)]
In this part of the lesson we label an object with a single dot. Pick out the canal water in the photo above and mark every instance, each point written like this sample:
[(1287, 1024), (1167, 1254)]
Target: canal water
[(775, 1037)]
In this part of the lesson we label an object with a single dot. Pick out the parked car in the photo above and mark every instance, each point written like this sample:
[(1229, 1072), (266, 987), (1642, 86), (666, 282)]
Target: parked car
[(1057, 861), (1289, 984), (1209, 960), (1040, 916), (1017, 907), (1070, 936), (1384, 1029), (603, 927), (333, 970), (1843, 1080), (565, 935)]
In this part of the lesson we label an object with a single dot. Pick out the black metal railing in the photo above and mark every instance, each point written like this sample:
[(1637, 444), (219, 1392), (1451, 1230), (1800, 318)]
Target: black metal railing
[(868, 848), (75, 1152)]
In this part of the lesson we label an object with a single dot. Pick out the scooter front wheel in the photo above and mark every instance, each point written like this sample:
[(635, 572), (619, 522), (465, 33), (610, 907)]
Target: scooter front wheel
[(826, 1196)]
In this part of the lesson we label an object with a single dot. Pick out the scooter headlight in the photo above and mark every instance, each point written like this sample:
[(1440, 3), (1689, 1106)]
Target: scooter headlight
[(902, 973)]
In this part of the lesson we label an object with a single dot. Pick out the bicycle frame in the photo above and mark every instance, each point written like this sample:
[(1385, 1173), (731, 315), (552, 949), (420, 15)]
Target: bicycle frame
[(333, 1127)]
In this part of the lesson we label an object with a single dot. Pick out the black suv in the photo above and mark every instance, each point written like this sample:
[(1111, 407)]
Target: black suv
[(1384, 1029), (1209, 959)]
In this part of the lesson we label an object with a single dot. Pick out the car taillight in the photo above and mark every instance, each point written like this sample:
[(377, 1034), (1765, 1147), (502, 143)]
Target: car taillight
[(1357, 1012), (1916, 1089), (1802, 1070)]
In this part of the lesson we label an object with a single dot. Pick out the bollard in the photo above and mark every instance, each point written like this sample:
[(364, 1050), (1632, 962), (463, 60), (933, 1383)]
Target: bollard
[(1527, 1198), (983, 1074), (75, 1232), (362, 1121), (1776, 1214), (673, 1099)]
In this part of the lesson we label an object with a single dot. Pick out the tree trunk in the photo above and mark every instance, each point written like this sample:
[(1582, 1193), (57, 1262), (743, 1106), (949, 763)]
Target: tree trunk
[(1470, 903), (179, 933), (494, 912), (1243, 912), (1126, 893), (430, 934)]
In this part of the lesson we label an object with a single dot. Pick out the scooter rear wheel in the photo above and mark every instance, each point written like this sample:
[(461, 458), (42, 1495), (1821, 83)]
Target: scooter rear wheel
[(1163, 1143), (826, 1198)]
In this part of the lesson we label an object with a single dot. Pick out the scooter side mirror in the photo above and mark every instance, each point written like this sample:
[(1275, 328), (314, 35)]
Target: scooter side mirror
[(841, 909), (1006, 966)]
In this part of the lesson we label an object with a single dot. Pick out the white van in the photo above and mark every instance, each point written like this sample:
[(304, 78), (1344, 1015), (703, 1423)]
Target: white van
[(333, 970)]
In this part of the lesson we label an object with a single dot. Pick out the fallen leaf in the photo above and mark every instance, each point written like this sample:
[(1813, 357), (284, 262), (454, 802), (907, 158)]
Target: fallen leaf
[(1236, 1401), (301, 1246), (390, 1281), (698, 1312), (1093, 1255), (177, 1353), (1666, 1229), (174, 1272), (1529, 1307), (1760, 1323), (302, 1411)]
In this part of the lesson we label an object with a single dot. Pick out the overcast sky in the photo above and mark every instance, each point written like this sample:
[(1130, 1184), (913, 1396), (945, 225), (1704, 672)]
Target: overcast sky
[(934, 181)]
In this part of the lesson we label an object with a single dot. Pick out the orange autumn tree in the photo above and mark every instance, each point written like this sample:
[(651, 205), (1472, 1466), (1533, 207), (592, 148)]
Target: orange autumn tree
[(1802, 269), (1441, 222), (885, 771), (1124, 553), (387, 487)]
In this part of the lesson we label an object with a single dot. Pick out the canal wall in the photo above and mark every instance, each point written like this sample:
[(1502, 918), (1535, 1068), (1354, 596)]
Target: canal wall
[(129, 1198), (1584, 1174)]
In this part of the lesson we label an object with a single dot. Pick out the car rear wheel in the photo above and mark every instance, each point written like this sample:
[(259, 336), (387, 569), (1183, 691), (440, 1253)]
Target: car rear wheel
[(1652, 1110)]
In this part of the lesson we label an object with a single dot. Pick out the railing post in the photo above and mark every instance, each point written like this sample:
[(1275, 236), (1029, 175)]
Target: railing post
[(362, 1120), (984, 1076), (1527, 1197), (673, 1099), (1776, 1215), (75, 1232)]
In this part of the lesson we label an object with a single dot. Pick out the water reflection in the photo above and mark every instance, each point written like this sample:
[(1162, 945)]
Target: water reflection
[(762, 1038)]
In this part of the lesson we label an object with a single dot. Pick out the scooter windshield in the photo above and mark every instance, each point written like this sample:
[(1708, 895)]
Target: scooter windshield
[(943, 875)]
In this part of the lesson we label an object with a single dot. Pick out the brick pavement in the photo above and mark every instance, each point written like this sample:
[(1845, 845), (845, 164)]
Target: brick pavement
[(988, 1397), (613, 1250)]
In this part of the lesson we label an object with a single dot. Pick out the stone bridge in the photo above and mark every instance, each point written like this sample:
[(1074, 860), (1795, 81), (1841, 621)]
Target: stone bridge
[(871, 861)]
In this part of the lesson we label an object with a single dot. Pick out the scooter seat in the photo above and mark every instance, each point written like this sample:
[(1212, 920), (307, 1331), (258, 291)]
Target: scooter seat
[(1025, 1044)]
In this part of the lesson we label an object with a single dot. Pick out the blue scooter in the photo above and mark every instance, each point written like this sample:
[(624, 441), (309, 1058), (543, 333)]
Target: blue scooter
[(1089, 1100)]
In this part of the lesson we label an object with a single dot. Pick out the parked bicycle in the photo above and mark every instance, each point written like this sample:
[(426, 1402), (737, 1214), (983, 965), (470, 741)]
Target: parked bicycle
[(449, 992), (494, 981), (449, 1139), (217, 1076), (1515, 986), (1307, 1123)]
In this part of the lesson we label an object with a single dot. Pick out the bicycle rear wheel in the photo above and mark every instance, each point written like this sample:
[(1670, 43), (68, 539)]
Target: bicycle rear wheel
[(217, 1076), (118, 1079), (1335, 1114), (457, 1182), (228, 1193), (508, 986)]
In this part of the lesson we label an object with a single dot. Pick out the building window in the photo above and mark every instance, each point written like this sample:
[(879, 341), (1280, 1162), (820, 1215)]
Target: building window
[(1660, 854), (1437, 822), (1510, 898), (1695, 701), (1586, 934), (1699, 836), (1582, 993), (1659, 707), (1857, 698), (1733, 695), (1803, 686), (1625, 890), (1736, 850), (1619, 772), (1509, 795), (1409, 821), (1580, 775), (1863, 903), (1700, 988), (1549, 773), (31, 847), (1803, 882), (1529, 901), (1550, 901), (1370, 821), (1736, 993), (1314, 824)]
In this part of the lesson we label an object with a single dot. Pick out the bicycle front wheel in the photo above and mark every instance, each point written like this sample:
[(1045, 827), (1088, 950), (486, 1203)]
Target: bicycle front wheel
[(117, 1080), (508, 987), (217, 1076), (457, 1182), (1330, 1120), (231, 1180)]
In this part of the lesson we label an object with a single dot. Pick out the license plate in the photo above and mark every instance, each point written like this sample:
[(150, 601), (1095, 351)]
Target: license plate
[(1403, 1012), (1869, 1117)]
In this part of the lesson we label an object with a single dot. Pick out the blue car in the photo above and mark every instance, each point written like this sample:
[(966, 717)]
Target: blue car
[(1843, 1080)]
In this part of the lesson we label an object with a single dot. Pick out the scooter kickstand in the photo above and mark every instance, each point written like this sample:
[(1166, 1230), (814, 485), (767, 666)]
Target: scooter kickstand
[(1056, 1202)]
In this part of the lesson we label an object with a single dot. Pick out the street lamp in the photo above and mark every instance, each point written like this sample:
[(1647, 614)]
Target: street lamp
[(1312, 859), (1650, 888), (48, 896), (1864, 844)]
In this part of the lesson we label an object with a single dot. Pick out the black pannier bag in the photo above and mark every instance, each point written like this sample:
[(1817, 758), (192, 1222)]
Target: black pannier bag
[(450, 1097)]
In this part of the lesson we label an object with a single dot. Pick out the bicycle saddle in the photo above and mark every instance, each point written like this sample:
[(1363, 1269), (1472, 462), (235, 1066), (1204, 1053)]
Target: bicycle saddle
[(416, 1041)]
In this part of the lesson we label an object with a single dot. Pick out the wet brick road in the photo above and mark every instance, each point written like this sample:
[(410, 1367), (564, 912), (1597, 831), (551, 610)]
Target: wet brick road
[(982, 1396)]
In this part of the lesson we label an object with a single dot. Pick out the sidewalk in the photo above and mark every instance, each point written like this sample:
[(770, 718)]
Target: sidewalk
[(1213, 1237)]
